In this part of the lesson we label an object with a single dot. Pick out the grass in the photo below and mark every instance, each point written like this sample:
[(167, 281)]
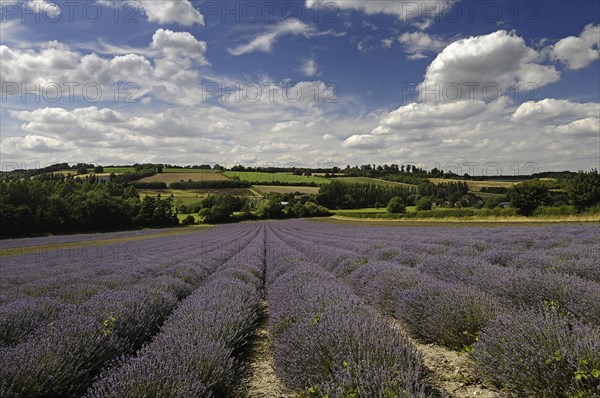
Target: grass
[(382, 211), (476, 219), (368, 210), (288, 178), (286, 189), (184, 170), (169, 178), (119, 170), (189, 196), (182, 217), (367, 180), (450, 223), (487, 195)]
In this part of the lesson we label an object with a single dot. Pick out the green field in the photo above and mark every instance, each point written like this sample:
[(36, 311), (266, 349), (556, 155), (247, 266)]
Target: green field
[(256, 177), (119, 170), (186, 170), (487, 195), (286, 189), (367, 180), (190, 196)]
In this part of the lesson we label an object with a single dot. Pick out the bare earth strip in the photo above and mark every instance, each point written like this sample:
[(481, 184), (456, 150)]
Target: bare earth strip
[(260, 380), (450, 372)]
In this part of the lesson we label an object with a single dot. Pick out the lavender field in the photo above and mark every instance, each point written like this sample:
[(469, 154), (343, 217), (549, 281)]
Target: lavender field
[(345, 309)]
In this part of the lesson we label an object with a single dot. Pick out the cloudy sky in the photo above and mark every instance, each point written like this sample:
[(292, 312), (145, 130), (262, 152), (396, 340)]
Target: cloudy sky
[(466, 86)]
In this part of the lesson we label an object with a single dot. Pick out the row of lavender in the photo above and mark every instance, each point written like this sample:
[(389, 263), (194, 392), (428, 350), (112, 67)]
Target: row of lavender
[(36, 292), (531, 330), (58, 353), (326, 341), (196, 353)]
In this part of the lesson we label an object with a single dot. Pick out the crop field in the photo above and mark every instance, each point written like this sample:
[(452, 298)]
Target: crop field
[(189, 196), (367, 180), (475, 186), (297, 308), (169, 178), (286, 178), (286, 189), (119, 170), (187, 170)]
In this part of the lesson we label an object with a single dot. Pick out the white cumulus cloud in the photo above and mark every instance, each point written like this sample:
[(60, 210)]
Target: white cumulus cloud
[(579, 52), (181, 12), (485, 67)]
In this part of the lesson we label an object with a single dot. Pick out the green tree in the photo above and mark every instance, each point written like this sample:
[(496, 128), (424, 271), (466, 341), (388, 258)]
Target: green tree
[(215, 214), (528, 196), (584, 189), (424, 203), (271, 208), (396, 205)]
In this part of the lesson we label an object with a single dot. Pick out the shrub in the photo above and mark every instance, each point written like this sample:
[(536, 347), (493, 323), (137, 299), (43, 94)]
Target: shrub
[(328, 343), (562, 210), (492, 202), (584, 189), (540, 354), (528, 196), (396, 205), (194, 355), (424, 203), (448, 314), (304, 210), (189, 220), (61, 359)]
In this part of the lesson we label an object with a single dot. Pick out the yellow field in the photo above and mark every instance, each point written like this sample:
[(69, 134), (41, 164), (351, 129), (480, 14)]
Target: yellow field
[(475, 186)]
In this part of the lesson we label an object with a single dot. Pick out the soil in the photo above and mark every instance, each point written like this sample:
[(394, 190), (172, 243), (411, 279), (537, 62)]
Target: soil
[(447, 371), (260, 380), (452, 372)]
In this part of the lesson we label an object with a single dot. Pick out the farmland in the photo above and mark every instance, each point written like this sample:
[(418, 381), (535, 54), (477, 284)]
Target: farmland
[(366, 180), (268, 178), (318, 309), (170, 177), (287, 189), (189, 196), (475, 186)]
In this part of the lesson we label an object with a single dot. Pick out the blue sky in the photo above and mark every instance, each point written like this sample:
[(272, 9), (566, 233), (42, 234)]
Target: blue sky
[(460, 84)]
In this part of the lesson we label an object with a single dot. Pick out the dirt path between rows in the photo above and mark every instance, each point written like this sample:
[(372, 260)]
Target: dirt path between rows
[(447, 370), (450, 372), (260, 380)]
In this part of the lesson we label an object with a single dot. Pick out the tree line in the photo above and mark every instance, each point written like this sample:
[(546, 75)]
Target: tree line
[(342, 195), (54, 203)]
